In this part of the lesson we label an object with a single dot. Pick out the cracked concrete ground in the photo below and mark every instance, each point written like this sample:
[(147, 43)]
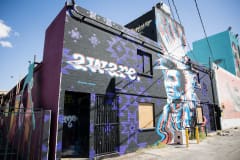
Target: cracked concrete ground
[(224, 145)]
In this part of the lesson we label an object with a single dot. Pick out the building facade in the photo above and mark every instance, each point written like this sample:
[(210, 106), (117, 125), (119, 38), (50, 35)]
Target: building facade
[(228, 91)]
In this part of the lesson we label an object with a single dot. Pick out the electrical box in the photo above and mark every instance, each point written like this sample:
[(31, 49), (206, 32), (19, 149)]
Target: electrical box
[(180, 137)]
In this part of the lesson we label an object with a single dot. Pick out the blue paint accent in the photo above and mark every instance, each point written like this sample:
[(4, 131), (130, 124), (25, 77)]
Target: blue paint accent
[(142, 145), (59, 146), (86, 83), (161, 135), (91, 127), (122, 149), (61, 118), (46, 118), (221, 45), (92, 153), (44, 148)]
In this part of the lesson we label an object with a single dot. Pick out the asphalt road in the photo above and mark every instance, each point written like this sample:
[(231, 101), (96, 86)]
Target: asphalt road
[(222, 146)]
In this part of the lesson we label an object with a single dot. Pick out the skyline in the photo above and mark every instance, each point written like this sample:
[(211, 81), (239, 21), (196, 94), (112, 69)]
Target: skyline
[(23, 25)]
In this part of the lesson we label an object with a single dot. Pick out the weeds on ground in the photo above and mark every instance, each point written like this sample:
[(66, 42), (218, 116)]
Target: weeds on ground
[(191, 136), (202, 135), (158, 145)]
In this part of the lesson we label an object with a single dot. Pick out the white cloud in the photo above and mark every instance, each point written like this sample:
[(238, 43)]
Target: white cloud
[(4, 30), (6, 44)]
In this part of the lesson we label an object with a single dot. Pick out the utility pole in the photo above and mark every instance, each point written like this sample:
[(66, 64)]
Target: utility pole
[(213, 93)]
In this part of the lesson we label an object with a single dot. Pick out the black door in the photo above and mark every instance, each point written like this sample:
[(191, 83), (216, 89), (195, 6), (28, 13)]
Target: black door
[(218, 117), (212, 116), (106, 131), (75, 138)]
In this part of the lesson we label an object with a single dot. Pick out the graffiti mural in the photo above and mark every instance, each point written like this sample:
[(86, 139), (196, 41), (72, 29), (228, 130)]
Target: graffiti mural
[(236, 55), (179, 81), (170, 35), (181, 100)]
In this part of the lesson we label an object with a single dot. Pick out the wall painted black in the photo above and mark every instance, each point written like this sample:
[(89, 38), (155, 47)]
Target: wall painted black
[(97, 61), (145, 25)]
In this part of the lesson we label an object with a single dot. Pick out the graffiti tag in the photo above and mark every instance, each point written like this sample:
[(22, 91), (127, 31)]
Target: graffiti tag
[(143, 26), (69, 120), (94, 65)]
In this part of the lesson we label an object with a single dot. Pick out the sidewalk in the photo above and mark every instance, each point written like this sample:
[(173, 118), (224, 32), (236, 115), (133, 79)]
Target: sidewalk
[(224, 145)]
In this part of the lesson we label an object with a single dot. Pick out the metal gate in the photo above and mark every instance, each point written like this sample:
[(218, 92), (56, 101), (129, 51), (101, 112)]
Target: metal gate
[(106, 131)]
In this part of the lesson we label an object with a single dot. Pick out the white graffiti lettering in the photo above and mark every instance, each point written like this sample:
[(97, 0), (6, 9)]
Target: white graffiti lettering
[(143, 26), (94, 65), (69, 120)]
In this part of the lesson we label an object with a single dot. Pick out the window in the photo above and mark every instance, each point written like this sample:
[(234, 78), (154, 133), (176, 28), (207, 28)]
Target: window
[(199, 115), (144, 63), (146, 116)]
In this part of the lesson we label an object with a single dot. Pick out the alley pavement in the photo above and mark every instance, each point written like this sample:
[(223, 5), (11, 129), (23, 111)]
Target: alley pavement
[(222, 145)]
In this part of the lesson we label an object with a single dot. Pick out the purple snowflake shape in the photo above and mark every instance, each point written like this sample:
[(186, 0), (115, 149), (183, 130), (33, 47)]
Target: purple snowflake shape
[(75, 35), (94, 40)]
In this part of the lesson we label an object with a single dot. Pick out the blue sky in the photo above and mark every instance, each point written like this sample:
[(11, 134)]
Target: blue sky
[(23, 24)]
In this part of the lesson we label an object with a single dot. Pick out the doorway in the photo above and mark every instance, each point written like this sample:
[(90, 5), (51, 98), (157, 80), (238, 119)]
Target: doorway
[(75, 137), (218, 117), (212, 117), (106, 132)]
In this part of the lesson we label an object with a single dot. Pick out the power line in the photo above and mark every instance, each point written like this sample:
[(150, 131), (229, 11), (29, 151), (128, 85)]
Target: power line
[(171, 9), (200, 17), (176, 12)]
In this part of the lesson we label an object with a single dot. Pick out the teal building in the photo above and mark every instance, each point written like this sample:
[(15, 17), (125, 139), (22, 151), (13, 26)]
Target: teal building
[(225, 51)]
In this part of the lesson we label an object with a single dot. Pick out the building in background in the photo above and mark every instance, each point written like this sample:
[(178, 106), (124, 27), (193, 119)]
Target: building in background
[(158, 25), (228, 90), (223, 56), (225, 51)]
